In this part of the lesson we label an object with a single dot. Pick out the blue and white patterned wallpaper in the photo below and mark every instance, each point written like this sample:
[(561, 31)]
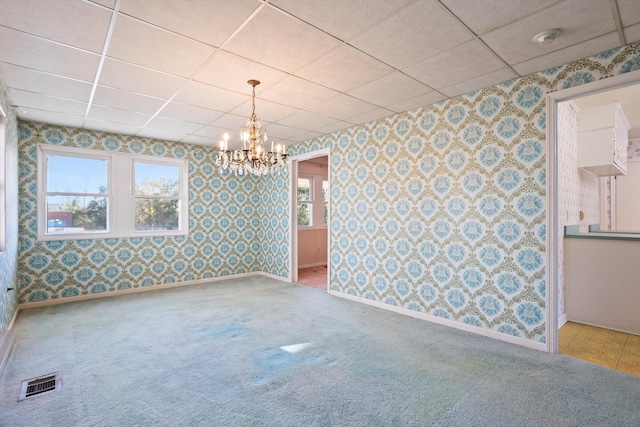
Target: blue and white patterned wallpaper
[(9, 258), (225, 237), (442, 210)]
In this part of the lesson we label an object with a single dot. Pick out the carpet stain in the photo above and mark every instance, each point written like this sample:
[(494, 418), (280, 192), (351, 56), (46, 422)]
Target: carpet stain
[(235, 328)]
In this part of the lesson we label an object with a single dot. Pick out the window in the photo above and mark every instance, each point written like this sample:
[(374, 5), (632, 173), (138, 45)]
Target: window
[(93, 194), (305, 201)]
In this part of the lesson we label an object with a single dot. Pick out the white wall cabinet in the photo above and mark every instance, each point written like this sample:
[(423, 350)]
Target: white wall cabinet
[(603, 134)]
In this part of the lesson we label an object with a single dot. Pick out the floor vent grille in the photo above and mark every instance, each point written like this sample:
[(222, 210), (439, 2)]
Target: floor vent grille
[(39, 386)]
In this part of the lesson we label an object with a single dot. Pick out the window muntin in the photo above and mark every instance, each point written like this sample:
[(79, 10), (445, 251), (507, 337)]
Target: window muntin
[(305, 201), (91, 194)]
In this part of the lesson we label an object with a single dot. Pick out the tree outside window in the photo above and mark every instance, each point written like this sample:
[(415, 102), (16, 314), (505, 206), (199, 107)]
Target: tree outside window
[(305, 201)]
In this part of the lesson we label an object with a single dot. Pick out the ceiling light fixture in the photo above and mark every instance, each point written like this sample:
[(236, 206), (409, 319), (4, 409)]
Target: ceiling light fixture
[(546, 37), (253, 156)]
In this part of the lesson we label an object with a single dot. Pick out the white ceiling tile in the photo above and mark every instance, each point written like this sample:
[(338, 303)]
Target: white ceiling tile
[(75, 23), (342, 106), (372, 115), (232, 72), (485, 80), (337, 16), (418, 101), (344, 68), (202, 95), (305, 136), (52, 118), (210, 21), (160, 134), (280, 41), (296, 92), (632, 33), (214, 133), (572, 53), (32, 52), (388, 89), (124, 100), (454, 66), (486, 15), (17, 77), (106, 3), (118, 116), (140, 80), (136, 42), (266, 111), (189, 113), (181, 126), (419, 31), (230, 123), (306, 120), (629, 12), (198, 140), (110, 127), (28, 100), (334, 127), (278, 132), (578, 23)]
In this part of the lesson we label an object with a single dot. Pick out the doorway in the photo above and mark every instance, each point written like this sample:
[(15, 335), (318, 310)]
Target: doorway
[(557, 213), (309, 219)]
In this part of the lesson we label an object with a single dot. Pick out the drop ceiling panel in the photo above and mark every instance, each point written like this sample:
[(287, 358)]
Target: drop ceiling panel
[(214, 133), (53, 118), (337, 17), (28, 100), (419, 31), (267, 111), (452, 67), (333, 127), (298, 93), (373, 115), (106, 3), (202, 95), (180, 126), (118, 116), (306, 120), (579, 20), (562, 56), (17, 77), (278, 132), (33, 52), (111, 127), (75, 23), (632, 33), (209, 21), (124, 100), (629, 12), (486, 15), (190, 113), (388, 89), (160, 134), (199, 140), (342, 106), (418, 101), (231, 124), (138, 43), (232, 72), (344, 68), (140, 80), (485, 80), (305, 135), (280, 41)]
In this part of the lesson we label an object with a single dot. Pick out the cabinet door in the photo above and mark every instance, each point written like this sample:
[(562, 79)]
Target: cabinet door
[(628, 198)]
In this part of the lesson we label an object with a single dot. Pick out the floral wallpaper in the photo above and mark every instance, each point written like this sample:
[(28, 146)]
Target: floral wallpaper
[(633, 150), (442, 210), (9, 258), (225, 231)]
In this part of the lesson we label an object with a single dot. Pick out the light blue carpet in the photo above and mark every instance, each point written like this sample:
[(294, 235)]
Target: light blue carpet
[(219, 355)]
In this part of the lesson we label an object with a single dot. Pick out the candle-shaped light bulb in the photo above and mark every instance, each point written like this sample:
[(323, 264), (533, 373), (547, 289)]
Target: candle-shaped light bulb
[(221, 145), (278, 147), (272, 146)]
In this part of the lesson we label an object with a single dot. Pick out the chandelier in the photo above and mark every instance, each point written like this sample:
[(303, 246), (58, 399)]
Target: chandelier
[(253, 156)]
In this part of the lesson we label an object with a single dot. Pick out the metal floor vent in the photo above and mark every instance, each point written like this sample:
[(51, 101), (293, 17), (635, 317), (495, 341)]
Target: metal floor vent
[(39, 386)]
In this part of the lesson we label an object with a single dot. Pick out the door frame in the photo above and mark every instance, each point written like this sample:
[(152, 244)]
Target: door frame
[(293, 203), (552, 220)]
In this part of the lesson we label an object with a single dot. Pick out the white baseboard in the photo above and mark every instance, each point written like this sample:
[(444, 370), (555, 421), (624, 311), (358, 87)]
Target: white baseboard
[(144, 289), (6, 341), (446, 322), (562, 320), (317, 264)]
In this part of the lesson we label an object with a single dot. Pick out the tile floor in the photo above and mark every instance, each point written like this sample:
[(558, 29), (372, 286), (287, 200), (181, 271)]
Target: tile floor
[(612, 349), (314, 276)]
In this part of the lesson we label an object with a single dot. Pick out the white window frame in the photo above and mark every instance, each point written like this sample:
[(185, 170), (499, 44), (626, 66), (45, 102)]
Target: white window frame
[(3, 180), (120, 193), (309, 202)]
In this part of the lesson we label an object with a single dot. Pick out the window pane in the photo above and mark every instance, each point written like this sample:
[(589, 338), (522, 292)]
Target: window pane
[(157, 215), (325, 218), (304, 189), (156, 180), (76, 175), (325, 190), (76, 214), (304, 214)]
